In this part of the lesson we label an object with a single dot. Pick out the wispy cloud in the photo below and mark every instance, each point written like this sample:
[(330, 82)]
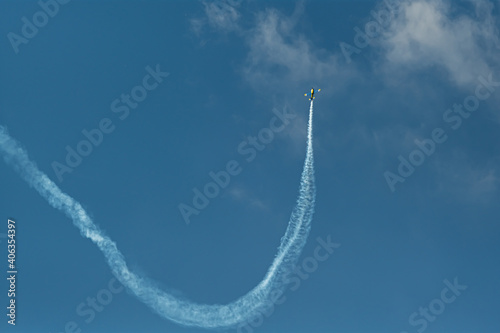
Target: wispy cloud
[(279, 54), (242, 195), (467, 182), (463, 41), (221, 15), (451, 44)]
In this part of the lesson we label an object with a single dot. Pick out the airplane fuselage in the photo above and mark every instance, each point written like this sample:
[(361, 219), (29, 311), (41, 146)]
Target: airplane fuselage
[(312, 94)]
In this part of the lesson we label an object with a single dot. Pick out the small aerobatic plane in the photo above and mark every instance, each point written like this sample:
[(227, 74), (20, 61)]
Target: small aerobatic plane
[(312, 93)]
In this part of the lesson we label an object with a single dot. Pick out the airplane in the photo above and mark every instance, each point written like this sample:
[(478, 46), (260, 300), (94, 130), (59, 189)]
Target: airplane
[(312, 94)]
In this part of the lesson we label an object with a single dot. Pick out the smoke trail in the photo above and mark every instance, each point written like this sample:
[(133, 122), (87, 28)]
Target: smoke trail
[(179, 310)]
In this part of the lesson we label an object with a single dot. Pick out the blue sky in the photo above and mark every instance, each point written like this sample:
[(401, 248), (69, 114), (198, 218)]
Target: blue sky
[(232, 66)]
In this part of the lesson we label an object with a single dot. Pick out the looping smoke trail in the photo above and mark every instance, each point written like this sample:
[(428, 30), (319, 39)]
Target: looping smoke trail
[(173, 308)]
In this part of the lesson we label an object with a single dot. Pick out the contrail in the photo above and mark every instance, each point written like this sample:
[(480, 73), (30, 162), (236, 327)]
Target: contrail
[(174, 308)]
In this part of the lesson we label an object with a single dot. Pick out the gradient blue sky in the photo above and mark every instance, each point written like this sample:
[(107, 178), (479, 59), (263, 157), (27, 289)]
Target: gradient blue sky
[(230, 63)]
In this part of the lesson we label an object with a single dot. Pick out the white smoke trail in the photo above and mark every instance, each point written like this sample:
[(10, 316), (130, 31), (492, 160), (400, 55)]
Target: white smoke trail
[(181, 311)]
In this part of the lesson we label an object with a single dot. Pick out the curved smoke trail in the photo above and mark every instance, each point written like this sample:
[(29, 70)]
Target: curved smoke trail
[(173, 308)]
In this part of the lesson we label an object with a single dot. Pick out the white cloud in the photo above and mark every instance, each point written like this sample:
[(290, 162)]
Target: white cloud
[(428, 33), (221, 15), (280, 56)]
